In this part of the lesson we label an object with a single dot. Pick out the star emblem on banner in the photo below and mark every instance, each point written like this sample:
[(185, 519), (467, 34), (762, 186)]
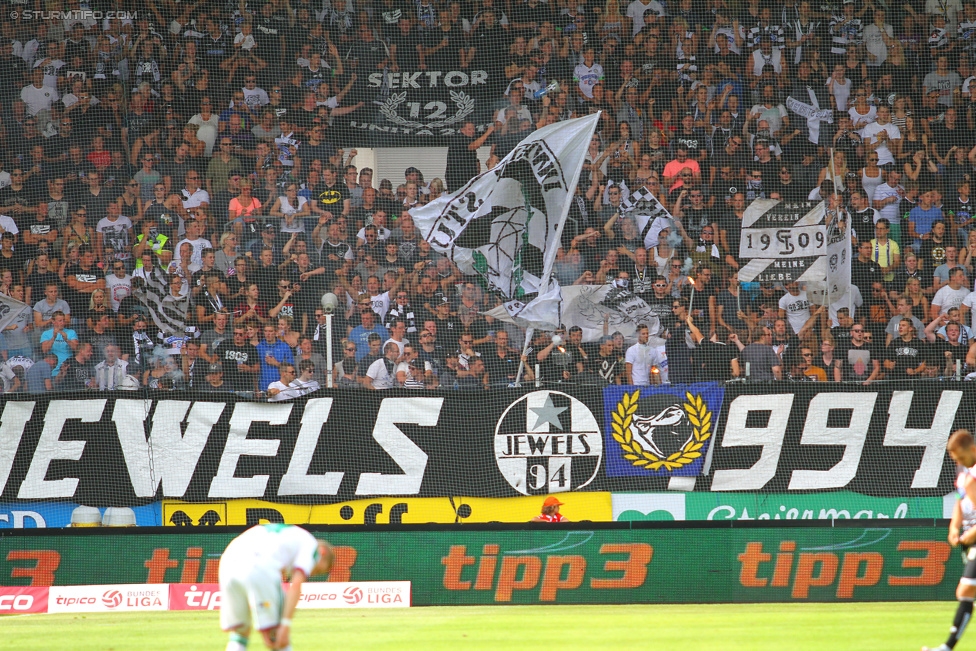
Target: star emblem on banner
[(548, 413)]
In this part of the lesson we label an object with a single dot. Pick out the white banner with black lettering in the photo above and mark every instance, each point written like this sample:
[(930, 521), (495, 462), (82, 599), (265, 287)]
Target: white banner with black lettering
[(783, 241)]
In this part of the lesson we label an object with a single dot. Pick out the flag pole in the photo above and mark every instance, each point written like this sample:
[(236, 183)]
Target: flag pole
[(550, 254), (833, 181)]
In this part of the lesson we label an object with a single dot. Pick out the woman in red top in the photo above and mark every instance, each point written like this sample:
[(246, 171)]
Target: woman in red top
[(251, 308), (550, 511)]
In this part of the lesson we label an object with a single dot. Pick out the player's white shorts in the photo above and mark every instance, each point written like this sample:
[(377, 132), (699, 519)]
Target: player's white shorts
[(249, 594)]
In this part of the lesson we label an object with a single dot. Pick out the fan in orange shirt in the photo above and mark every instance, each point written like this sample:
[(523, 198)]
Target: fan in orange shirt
[(805, 365)]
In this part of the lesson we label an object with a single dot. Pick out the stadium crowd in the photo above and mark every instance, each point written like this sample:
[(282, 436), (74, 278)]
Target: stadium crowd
[(208, 145)]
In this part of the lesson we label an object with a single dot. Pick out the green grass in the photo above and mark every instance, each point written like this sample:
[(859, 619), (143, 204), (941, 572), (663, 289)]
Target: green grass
[(773, 627)]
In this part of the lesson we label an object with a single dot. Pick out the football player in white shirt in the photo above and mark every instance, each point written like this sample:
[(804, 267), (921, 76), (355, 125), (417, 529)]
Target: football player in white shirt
[(962, 532), (250, 581)]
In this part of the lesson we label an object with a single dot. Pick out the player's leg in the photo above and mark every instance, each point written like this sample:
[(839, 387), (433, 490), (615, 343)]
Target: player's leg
[(238, 639), (235, 611), (965, 593), (266, 600)]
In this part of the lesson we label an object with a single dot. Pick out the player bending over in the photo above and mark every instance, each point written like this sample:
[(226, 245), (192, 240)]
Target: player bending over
[(250, 581), (962, 531)]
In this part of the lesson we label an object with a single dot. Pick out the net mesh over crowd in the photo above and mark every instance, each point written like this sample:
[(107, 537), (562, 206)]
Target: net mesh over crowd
[(194, 196)]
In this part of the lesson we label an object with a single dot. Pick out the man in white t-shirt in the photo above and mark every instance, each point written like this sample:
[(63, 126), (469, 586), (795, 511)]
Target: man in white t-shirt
[(381, 374), (644, 12), (881, 135), (250, 581), (7, 374), (587, 74), (118, 284), (191, 196), (794, 306), (887, 196), (254, 95), (877, 37), (194, 237), (641, 359), (8, 225), (951, 295), (281, 389), (37, 96), (114, 231), (398, 336)]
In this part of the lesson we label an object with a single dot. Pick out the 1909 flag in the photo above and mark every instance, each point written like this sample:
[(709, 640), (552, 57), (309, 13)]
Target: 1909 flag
[(783, 241), (796, 241)]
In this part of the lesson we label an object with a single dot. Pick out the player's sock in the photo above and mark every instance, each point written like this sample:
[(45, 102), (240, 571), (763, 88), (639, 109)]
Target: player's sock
[(239, 642), (963, 614)]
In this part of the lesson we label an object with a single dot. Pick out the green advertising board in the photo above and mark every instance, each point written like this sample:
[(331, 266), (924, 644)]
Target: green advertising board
[(677, 506), (614, 564)]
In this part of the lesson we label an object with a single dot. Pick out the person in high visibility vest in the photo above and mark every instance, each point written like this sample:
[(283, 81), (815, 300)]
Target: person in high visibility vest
[(550, 511)]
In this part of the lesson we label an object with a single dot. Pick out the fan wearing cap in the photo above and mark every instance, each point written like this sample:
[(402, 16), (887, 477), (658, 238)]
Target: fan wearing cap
[(550, 511), (215, 380)]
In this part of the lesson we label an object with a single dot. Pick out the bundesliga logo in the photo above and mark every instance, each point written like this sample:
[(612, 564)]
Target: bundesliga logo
[(112, 599), (352, 595)]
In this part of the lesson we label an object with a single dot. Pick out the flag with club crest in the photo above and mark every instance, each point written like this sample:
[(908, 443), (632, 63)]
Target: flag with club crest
[(504, 225)]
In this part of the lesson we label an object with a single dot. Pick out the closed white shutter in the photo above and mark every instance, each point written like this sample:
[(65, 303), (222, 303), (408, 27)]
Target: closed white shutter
[(391, 162)]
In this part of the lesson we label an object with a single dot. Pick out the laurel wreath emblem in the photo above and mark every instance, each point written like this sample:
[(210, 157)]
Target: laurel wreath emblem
[(698, 415), (463, 102)]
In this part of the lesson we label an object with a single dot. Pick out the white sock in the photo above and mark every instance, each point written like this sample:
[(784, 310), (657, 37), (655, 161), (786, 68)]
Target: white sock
[(236, 643)]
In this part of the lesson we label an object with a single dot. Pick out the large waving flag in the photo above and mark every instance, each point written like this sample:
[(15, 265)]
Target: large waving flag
[(504, 225)]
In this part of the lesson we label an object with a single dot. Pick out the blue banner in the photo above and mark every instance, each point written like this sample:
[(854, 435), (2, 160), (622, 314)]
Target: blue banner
[(57, 515), (660, 431)]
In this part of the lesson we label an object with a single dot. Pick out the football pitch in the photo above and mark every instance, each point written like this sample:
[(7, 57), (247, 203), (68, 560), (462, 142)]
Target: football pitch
[(752, 627)]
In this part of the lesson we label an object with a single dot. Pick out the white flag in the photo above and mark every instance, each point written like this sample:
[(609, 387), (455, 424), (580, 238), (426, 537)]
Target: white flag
[(504, 224), (813, 113), (541, 313), (10, 309), (589, 306), (837, 263)]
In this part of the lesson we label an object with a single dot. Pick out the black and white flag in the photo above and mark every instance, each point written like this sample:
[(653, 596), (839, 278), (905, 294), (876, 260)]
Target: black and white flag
[(648, 214), (592, 306), (504, 225), (783, 241), (168, 312)]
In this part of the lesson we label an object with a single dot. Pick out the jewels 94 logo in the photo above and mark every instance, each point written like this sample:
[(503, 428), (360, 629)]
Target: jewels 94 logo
[(548, 442)]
